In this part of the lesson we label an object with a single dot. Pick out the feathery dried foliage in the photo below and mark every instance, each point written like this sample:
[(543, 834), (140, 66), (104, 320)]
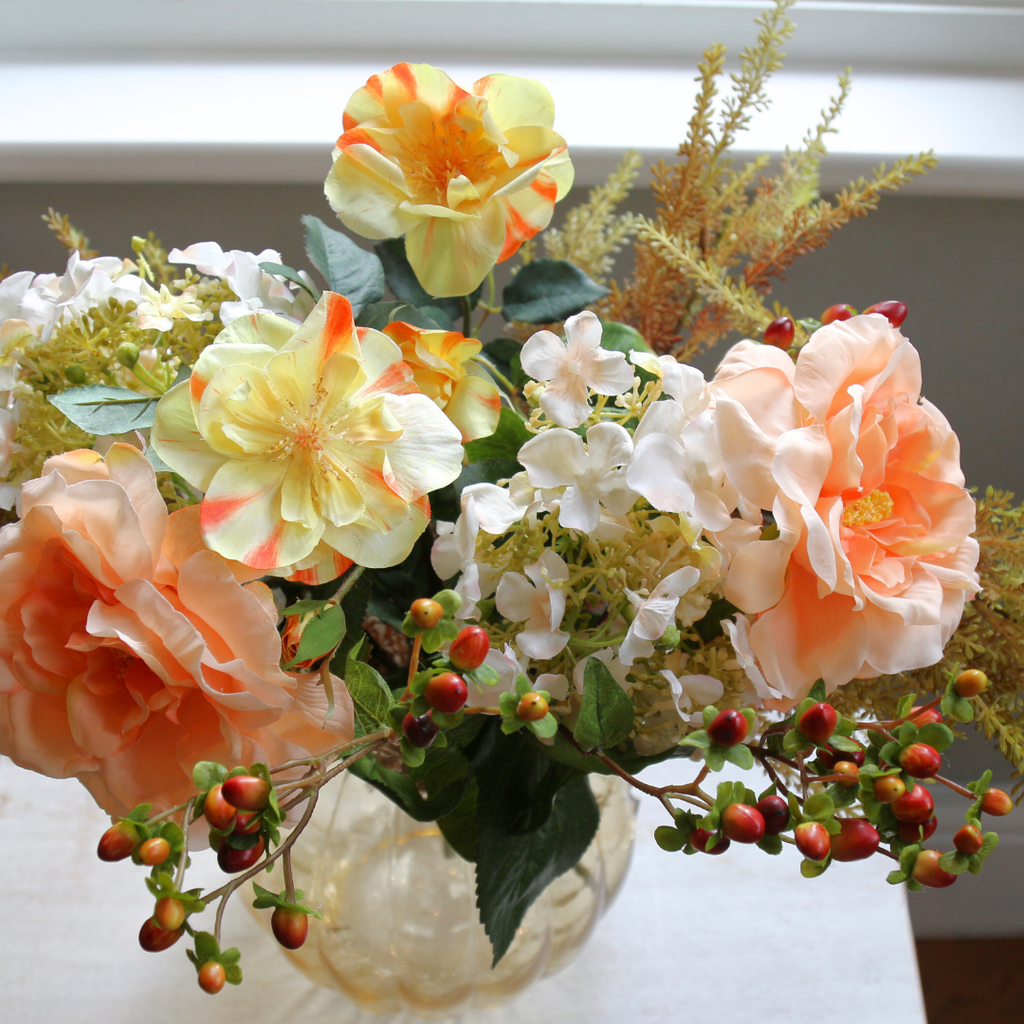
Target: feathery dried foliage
[(68, 235), (720, 235), (990, 637), (593, 232)]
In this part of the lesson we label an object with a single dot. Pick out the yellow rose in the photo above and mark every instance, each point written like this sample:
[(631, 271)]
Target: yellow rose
[(467, 177)]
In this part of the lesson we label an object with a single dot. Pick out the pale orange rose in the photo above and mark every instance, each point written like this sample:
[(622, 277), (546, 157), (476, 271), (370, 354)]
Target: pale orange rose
[(874, 559), (442, 370), (129, 651)]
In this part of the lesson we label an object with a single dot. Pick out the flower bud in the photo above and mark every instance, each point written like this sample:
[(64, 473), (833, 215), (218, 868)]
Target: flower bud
[(75, 374), (127, 354)]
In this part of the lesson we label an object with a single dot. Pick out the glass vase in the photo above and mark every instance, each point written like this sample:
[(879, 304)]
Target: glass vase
[(400, 929)]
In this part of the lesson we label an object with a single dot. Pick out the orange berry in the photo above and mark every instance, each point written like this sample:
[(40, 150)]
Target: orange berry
[(848, 773), (532, 708), (154, 851), (426, 613), (996, 802), (971, 682), (212, 977), (169, 913)]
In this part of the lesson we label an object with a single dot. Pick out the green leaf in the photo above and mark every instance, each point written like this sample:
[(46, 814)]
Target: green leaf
[(320, 635), (793, 741), (905, 704), (906, 733), (377, 315), (548, 290), (207, 947), (845, 743), (292, 275), (513, 869), (101, 409), (606, 713), (155, 461), (813, 868), (484, 675), (819, 807), (714, 757), (740, 755), (699, 738), (347, 269), (460, 827), (510, 435), (710, 626), (936, 735), (207, 774), (402, 281), (545, 727), (954, 862), (669, 838), (771, 844), (371, 696), (616, 337), (895, 877), (817, 694)]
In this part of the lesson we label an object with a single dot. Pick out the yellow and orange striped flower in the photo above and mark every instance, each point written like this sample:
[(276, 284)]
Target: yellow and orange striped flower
[(313, 444), (467, 177), (442, 370)]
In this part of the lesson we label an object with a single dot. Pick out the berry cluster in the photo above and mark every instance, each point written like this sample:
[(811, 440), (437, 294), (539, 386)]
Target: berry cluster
[(877, 783), (781, 332)]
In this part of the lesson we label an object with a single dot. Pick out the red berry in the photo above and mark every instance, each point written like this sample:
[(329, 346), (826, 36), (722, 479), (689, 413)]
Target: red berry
[(728, 728), (848, 773), (446, 692), (857, 839), (818, 722), (971, 682), (889, 788), (290, 927), (916, 805), (969, 840), (837, 312), (426, 613), (780, 332), (154, 939), (742, 823), (775, 812), (920, 760), (469, 648), (913, 832), (212, 977), (246, 792), (169, 913), (420, 732), (922, 717), (232, 860), (154, 850), (532, 708), (248, 823), (219, 813), (927, 870), (812, 840), (893, 311), (118, 842), (699, 838), (996, 802)]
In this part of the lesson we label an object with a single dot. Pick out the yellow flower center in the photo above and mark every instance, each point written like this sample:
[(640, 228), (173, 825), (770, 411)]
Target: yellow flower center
[(870, 509), (451, 151)]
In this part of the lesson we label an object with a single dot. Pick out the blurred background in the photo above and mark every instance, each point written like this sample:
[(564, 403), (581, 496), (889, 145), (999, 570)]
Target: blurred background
[(216, 120)]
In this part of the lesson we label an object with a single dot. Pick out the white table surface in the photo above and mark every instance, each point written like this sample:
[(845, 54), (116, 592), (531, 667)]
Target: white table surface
[(729, 939)]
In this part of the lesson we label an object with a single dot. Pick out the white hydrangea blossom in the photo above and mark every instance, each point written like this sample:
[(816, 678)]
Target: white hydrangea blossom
[(655, 614), (158, 309), (539, 601)]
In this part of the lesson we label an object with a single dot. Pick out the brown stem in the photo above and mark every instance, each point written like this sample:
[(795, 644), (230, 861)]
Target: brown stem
[(956, 787), (763, 757), (414, 663), (896, 722), (289, 878)]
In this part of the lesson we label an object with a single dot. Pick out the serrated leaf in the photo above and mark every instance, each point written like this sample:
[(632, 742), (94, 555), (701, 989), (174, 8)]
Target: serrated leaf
[(207, 774), (347, 269), (371, 696), (291, 274), (102, 409), (548, 290), (606, 713)]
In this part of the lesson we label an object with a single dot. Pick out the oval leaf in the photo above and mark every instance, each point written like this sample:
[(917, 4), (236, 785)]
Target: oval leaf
[(606, 715), (347, 269), (101, 409), (548, 290)]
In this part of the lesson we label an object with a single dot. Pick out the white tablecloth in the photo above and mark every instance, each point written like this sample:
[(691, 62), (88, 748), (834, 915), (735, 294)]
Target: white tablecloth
[(730, 939)]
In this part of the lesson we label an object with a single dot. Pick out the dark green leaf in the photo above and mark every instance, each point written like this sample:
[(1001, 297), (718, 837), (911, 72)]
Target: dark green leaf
[(402, 281), (510, 435), (606, 714), (459, 827), (347, 269), (301, 607), (101, 409), (817, 694), (771, 844), (710, 626), (378, 315), (548, 290), (292, 275), (514, 869)]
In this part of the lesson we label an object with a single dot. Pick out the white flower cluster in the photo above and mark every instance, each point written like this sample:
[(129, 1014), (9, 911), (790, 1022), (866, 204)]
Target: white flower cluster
[(635, 496)]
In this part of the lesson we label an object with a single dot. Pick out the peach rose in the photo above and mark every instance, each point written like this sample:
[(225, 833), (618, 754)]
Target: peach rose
[(129, 651), (874, 557)]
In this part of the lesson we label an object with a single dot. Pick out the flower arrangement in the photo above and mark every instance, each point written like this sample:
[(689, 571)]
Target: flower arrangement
[(261, 534)]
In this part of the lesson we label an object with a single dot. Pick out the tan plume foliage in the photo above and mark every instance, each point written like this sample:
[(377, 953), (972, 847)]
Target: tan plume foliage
[(706, 261), (68, 235)]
